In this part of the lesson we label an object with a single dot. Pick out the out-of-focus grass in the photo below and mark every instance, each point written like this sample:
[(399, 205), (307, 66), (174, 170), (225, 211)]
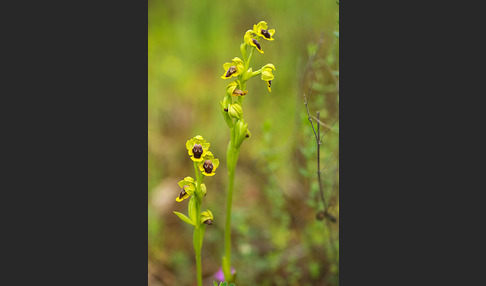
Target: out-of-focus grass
[(276, 236)]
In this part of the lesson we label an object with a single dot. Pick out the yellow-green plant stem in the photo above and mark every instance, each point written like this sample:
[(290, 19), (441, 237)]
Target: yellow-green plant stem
[(198, 230), (197, 249), (232, 158)]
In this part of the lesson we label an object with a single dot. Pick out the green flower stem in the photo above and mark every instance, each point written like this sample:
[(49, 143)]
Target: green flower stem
[(197, 249), (232, 158), (240, 98), (198, 231), (247, 62)]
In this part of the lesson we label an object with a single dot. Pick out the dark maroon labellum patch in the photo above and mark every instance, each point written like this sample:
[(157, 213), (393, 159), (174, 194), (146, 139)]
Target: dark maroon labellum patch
[(239, 92), (231, 70), (197, 151), (247, 136), (266, 34), (269, 83), (226, 109), (208, 222), (208, 166), (182, 194), (257, 44)]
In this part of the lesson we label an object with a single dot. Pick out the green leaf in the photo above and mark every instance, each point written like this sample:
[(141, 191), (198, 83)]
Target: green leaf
[(184, 218)]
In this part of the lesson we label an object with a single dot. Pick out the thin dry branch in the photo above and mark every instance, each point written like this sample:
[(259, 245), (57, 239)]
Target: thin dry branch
[(322, 123)]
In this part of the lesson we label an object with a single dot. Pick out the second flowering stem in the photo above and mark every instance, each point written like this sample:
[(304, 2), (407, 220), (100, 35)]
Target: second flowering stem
[(232, 159), (199, 229)]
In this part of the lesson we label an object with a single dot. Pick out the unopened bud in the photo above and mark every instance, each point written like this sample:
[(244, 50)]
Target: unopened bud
[(235, 110), (241, 130)]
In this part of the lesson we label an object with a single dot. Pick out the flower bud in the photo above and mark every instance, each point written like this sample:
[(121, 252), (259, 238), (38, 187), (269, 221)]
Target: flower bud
[(241, 129), (224, 110), (243, 50), (247, 75), (203, 189), (235, 110)]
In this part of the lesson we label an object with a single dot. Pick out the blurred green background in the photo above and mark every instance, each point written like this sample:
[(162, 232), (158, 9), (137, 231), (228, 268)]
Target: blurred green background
[(277, 239)]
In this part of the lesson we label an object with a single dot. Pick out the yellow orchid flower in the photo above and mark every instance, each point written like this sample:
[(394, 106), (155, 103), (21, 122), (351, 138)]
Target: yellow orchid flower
[(235, 68), (207, 217), (209, 165), (231, 89), (261, 29), (267, 75), (250, 40), (197, 148), (188, 188)]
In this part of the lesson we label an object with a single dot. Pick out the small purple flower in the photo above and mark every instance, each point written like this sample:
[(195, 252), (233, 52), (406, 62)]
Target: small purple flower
[(220, 275)]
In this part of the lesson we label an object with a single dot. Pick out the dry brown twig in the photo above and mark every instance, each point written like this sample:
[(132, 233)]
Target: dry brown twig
[(324, 213)]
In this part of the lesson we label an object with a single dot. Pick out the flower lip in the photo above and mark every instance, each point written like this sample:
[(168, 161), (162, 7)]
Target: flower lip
[(257, 44), (238, 92), (195, 146), (231, 70), (187, 189), (208, 222), (266, 34), (183, 193), (197, 150), (208, 166)]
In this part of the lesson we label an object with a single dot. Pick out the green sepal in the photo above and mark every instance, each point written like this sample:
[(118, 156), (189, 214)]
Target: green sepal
[(184, 218)]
